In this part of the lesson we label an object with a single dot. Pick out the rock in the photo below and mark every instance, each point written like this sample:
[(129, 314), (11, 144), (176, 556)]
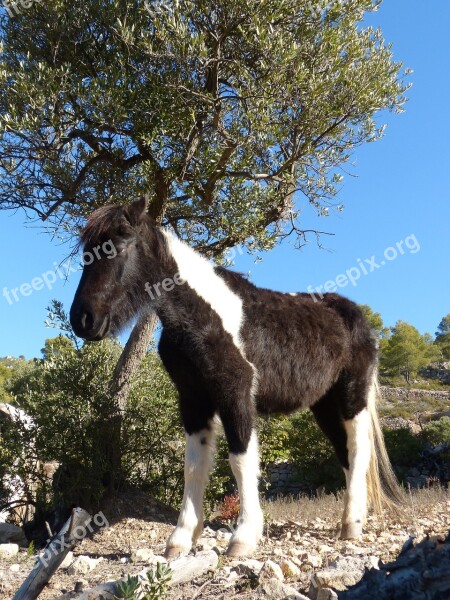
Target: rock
[(249, 568), (143, 555), (353, 563), (289, 568), (223, 535), (270, 570), (421, 570), (83, 564), (8, 550), (350, 548), (80, 585), (15, 568), (276, 590), (208, 532), (206, 543), (326, 594), (68, 559), (10, 533), (314, 560), (334, 578)]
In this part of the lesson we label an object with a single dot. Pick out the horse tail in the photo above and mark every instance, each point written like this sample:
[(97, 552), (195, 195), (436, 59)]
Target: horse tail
[(384, 490)]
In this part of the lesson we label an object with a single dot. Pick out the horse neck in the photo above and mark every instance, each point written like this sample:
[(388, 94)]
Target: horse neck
[(203, 281)]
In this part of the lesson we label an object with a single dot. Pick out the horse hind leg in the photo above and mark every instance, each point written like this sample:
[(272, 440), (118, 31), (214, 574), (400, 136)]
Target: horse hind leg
[(359, 455), (347, 426)]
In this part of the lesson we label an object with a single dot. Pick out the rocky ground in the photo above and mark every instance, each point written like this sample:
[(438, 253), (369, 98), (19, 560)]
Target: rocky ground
[(299, 555)]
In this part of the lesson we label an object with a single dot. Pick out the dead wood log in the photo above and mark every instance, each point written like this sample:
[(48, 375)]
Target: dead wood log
[(420, 571), (184, 569), (73, 531)]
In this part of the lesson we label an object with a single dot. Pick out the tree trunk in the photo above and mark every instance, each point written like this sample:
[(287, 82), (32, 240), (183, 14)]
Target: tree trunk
[(129, 361), (131, 358)]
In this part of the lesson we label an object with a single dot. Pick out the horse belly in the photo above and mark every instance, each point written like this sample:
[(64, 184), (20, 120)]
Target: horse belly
[(294, 370)]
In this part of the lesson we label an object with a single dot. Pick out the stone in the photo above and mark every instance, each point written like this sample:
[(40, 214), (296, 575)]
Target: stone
[(206, 543), (249, 568), (15, 568), (143, 555), (314, 560), (270, 570), (9, 550), (289, 568), (68, 560), (350, 548), (12, 534), (276, 590), (80, 585), (83, 564), (223, 535), (336, 579), (326, 594)]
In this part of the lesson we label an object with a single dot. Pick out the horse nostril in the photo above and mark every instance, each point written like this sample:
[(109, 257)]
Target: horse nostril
[(86, 321)]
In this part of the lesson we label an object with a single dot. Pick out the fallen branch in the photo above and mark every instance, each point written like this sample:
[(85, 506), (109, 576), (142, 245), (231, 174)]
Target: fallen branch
[(73, 531), (183, 569)]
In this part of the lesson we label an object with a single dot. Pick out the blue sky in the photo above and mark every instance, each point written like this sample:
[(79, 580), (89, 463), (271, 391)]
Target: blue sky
[(400, 196)]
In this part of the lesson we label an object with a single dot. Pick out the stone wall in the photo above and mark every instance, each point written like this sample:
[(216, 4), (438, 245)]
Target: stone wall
[(405, 394), (283, 480)]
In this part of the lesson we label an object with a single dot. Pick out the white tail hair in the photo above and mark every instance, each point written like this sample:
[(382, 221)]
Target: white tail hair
[(384, 490)]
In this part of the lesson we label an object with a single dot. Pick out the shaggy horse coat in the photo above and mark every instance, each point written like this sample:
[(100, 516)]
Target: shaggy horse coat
[(234, 350)]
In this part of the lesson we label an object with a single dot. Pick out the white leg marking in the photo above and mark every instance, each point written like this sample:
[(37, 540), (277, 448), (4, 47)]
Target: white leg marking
[(198, 462), (359, 452), (245, 468)]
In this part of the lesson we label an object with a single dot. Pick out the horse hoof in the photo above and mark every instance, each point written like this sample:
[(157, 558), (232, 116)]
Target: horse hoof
[(239, 550), (351, 531), (175, 552)]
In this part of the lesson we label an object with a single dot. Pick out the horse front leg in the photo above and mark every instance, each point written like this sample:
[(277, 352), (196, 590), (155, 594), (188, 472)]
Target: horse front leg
[(237, 412), (199, 454), (245, 467)]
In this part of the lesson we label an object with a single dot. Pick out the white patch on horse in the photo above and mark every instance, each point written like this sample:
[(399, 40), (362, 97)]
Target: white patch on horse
[(245, 468), (359, 452), (199, 455), (200, 275)]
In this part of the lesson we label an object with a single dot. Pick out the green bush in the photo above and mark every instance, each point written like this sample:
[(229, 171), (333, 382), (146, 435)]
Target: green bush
[(437, 432), (403, 447), (313, 454)]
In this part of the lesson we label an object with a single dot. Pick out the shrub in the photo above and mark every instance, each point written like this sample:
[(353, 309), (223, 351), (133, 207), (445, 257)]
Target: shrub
[(437, 432), (229, 508), (313, 454), (403, 447)]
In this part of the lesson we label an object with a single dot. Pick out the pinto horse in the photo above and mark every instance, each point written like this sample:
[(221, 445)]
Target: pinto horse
[(234, 350)]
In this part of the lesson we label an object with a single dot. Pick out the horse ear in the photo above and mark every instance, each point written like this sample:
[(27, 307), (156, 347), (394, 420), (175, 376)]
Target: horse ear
[(136, 210)]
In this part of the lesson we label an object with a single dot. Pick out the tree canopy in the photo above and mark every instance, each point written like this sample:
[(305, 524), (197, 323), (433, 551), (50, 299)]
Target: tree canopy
[(407, 351), (443, 336), (221, 111)]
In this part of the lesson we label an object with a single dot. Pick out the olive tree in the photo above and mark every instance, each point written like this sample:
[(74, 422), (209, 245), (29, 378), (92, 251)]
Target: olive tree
[(224, 113)]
